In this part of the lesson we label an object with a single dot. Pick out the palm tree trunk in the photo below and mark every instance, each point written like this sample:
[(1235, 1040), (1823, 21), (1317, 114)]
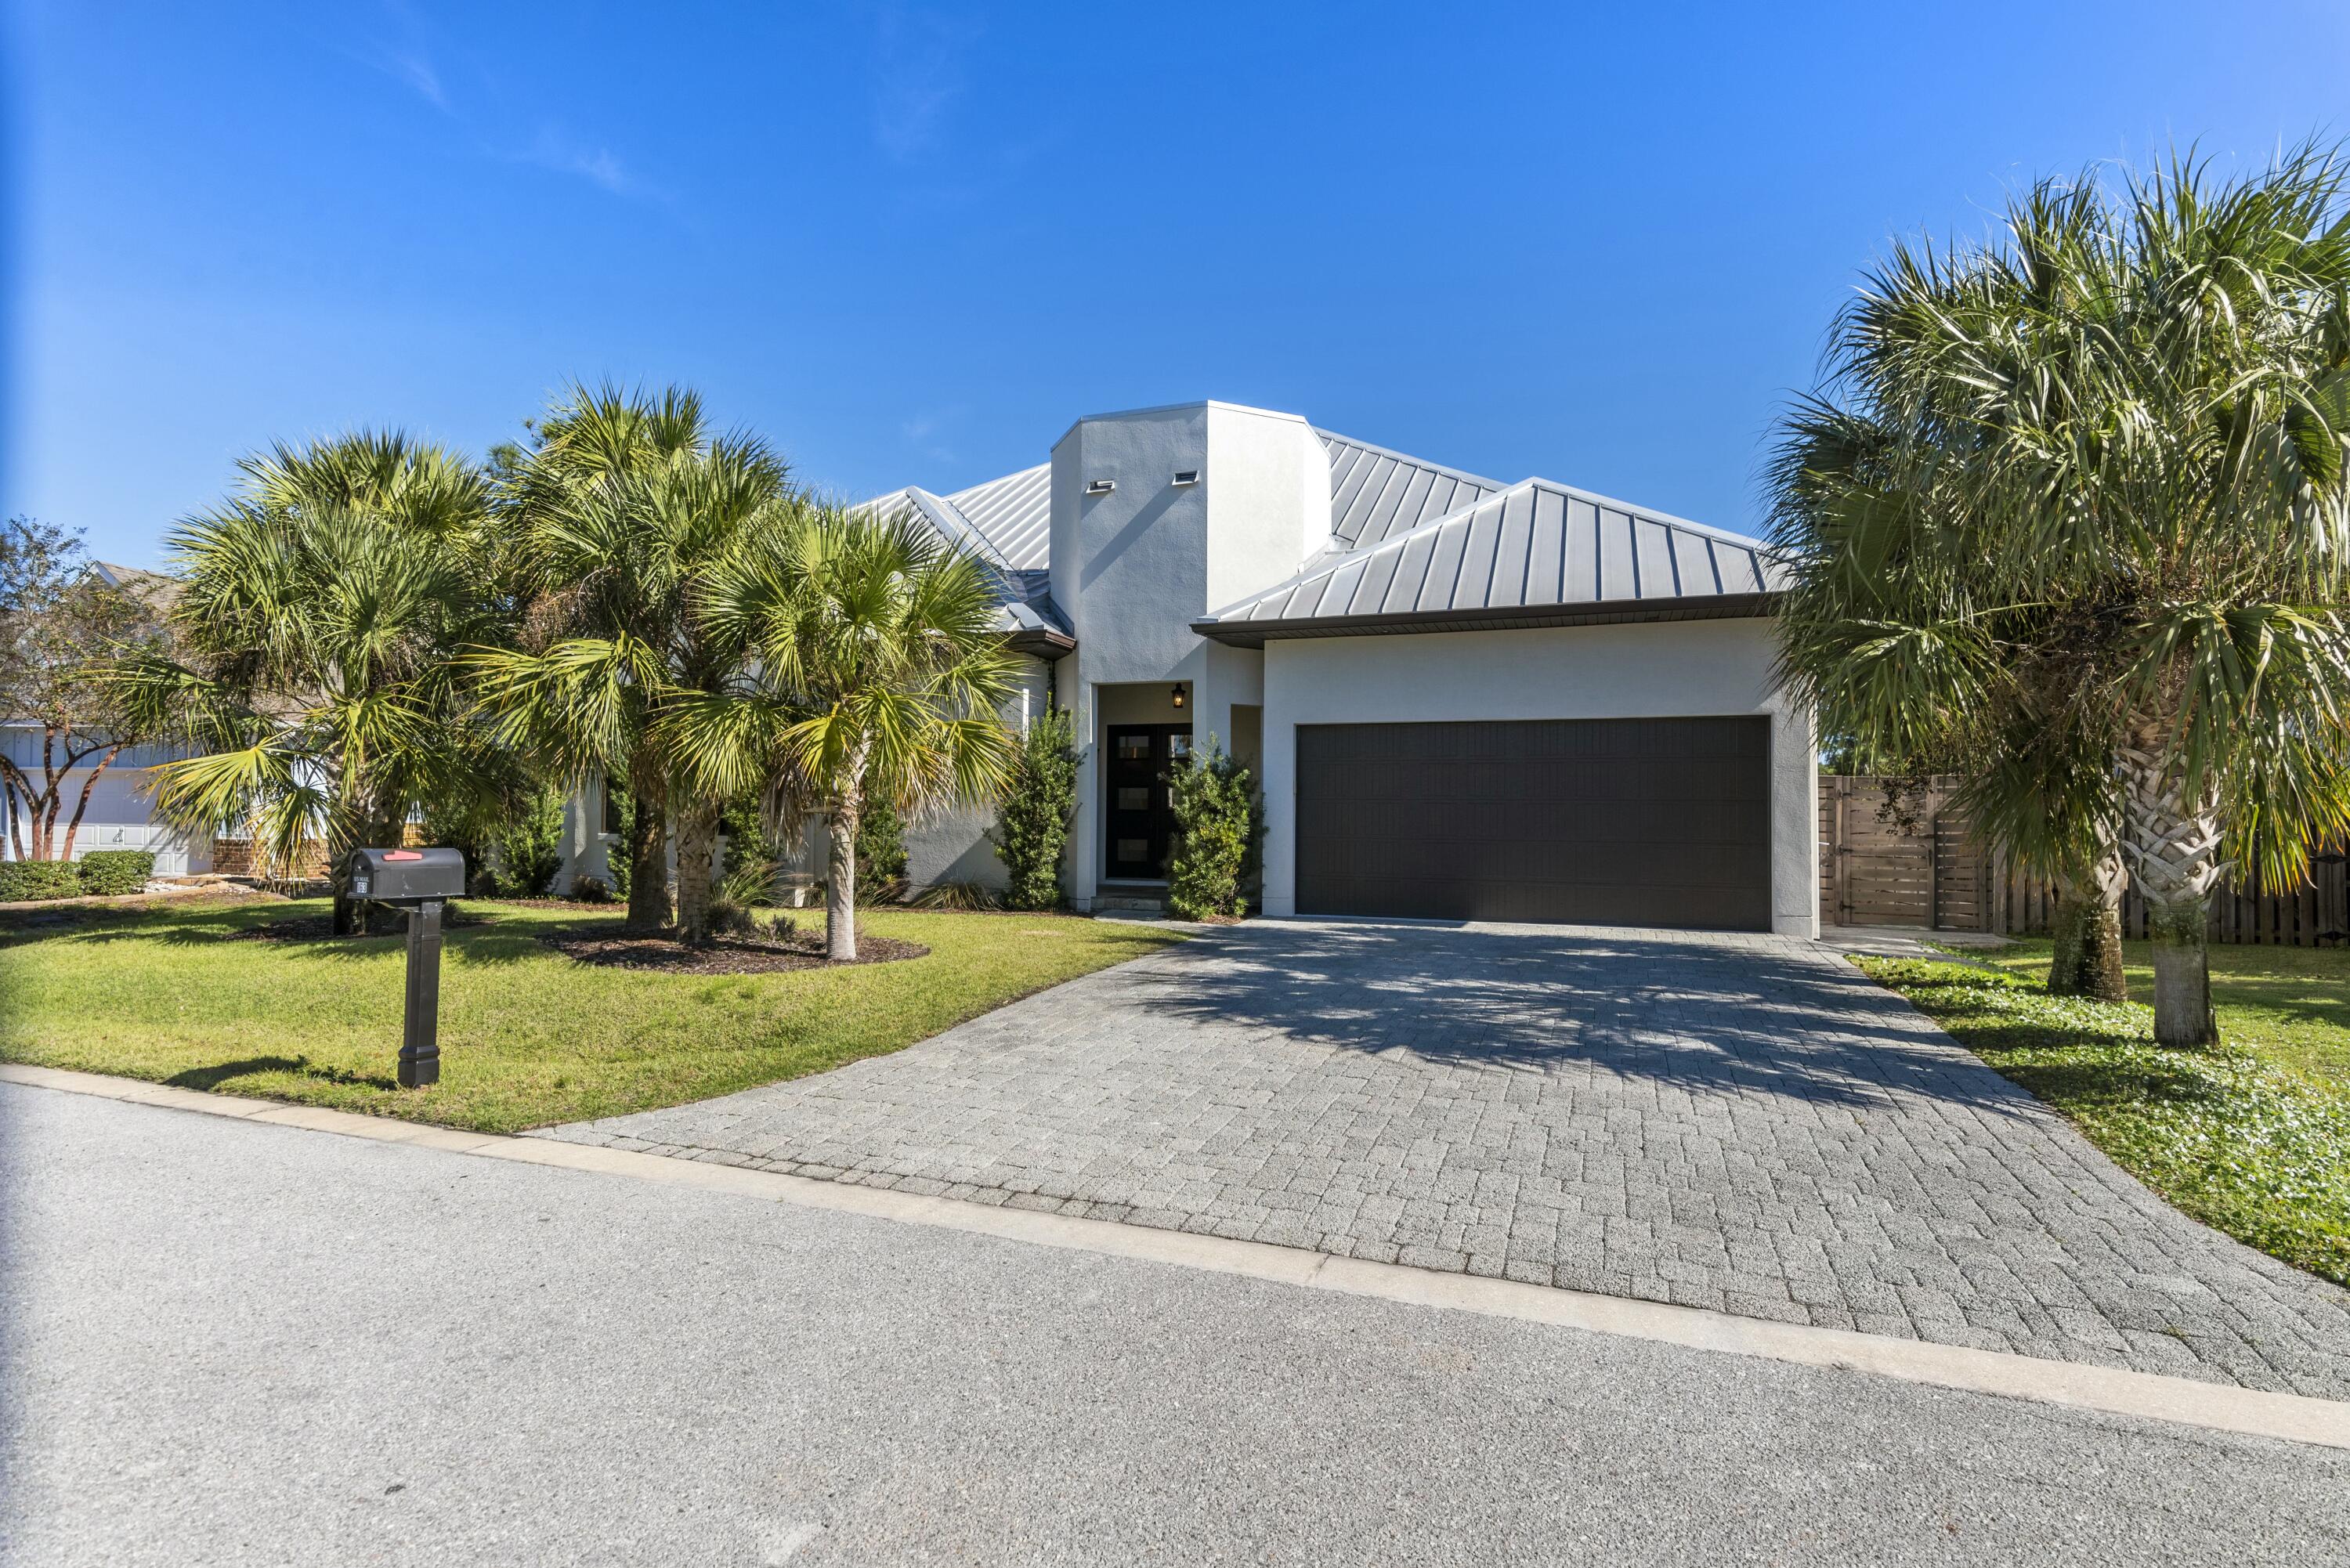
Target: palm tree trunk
[(349, 827), (647, 854), (2088, 957), (2172, 848), (697, 841), (840, 879)]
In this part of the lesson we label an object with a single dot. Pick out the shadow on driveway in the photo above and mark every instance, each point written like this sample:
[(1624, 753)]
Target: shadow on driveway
[(1704, 1014)]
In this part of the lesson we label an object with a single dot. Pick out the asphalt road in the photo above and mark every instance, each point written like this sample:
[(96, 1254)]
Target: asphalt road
[(241, 1343)]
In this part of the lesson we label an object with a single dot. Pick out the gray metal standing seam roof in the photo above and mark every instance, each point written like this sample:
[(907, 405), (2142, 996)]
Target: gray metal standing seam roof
[(1509, 557), (1375, 494), (1014, 515), (1414, 544)]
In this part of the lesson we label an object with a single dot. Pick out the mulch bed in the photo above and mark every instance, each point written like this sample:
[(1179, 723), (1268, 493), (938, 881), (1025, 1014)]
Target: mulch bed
[(724, 955)]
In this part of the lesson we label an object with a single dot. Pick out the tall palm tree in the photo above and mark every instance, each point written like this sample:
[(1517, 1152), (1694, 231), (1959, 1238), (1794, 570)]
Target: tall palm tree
[(2119, 439), (624, 503), (310, 655), (1883, 630), (873, 667)]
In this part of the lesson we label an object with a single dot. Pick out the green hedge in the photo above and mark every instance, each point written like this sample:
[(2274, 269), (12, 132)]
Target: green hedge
[(110, 871), (22, 880), (102, 871)]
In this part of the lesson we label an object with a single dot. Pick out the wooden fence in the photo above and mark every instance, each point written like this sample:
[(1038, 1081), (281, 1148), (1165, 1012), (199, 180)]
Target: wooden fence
[(1893, 853)]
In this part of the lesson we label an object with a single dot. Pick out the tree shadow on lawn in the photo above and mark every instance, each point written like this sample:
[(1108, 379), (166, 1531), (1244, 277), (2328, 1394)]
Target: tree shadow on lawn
[(487, 943), (208, 1078), (1712, 1018)]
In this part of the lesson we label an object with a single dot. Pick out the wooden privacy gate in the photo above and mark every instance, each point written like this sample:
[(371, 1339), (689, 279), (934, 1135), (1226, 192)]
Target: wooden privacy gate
[(1893, 853), (1891, 856)]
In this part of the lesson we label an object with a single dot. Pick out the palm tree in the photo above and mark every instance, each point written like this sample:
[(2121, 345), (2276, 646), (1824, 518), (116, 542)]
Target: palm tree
[(872, 668), (311, 647), (2103, 513), (1881, 629), (621, 507)]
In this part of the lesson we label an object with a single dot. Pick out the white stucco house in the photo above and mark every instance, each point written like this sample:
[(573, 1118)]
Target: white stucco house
[(1462, 699)]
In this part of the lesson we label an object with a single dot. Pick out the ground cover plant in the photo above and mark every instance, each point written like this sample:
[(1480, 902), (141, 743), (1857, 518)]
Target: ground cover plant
[(2250, 1136), (528, 1036)]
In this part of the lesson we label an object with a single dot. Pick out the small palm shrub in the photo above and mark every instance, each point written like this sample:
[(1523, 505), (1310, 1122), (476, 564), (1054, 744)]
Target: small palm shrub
[(1215, 814), (116, 871), (1032, 825), (591, 890), (748, 884), (729, 918), (752, 857), (958, 896)]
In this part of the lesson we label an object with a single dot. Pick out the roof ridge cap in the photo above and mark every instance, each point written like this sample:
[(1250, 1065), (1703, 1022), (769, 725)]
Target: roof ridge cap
[(1407, 457), (944, 510)]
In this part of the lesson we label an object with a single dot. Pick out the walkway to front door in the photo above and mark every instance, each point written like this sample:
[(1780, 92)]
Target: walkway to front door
[(1742, 1123), (1137, 822)]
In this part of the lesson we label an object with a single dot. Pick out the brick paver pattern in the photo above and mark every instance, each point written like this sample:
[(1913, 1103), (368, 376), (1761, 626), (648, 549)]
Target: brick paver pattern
[(1745, 1123)]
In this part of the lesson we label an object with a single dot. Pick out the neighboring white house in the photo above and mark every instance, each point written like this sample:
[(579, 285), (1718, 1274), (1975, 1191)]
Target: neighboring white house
[(120, 813), (1463, 700)]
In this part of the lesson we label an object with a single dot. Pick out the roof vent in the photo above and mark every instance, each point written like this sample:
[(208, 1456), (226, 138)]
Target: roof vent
[(1100, 486), (1187, 476)]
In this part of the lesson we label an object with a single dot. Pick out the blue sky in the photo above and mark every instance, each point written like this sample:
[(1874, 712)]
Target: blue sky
[(910, 244)]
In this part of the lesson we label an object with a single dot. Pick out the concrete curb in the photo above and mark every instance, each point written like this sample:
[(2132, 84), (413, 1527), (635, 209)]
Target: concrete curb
[(2220, 1407)]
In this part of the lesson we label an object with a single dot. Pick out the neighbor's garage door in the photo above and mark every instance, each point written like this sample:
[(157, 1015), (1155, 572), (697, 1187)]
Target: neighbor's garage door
[(1619, 822)]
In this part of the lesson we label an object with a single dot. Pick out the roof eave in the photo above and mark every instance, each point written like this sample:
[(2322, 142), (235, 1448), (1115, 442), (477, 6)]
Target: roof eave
[(1041, 642), (1502, 617)]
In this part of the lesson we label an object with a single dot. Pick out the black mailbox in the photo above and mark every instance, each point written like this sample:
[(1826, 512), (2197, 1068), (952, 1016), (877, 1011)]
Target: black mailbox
[(407, 875), (419, 881)]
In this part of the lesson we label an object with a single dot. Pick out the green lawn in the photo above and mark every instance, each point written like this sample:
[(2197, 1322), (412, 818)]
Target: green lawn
[(527, 1036), (2288, 1006), (2253, 1138)]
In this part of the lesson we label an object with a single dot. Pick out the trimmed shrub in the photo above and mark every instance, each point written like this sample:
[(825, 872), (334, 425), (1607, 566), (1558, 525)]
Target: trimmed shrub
[(22, 881), (616, 848), (529, 847), (1215, 813), (116, 871), (880, 854), (1032, 826)]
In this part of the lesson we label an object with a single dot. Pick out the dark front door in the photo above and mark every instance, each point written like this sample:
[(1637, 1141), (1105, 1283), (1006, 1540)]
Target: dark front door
[(1137, 822), (1615, 822)]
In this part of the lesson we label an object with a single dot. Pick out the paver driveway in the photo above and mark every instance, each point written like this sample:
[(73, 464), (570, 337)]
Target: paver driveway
[(1741, 1123)]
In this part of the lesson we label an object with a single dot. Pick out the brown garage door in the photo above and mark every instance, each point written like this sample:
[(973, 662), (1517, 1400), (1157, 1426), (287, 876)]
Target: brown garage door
[(1620, 822)]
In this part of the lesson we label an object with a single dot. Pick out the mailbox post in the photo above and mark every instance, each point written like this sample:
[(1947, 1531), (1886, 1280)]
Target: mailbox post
[(420, 881)]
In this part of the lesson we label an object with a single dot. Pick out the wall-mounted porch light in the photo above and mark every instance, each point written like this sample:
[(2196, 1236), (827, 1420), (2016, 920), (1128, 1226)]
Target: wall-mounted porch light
[(1179, 696)]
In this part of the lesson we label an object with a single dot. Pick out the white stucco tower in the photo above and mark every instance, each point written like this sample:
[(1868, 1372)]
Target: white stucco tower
[(1161, 516)]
